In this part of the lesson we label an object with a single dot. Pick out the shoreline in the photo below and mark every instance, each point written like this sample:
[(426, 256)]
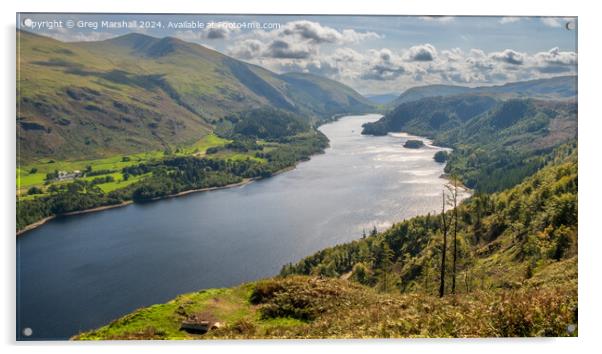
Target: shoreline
[(244, 182)]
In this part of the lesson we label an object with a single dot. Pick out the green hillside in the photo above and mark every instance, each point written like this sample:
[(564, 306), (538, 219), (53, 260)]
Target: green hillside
[(503, 238), (516, 275), (496, 142), (138, 93)]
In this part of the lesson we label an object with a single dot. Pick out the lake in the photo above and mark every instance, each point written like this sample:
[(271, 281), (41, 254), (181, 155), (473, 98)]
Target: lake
[(80, 272)]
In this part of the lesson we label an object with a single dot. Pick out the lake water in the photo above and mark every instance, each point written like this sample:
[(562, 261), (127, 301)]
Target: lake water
[(81, 272)]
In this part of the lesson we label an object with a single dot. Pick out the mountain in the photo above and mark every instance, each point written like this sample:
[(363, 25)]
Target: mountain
[(561, 87), (497, 142), (419, 92), (136, 93), (383, 99), (322, 96)]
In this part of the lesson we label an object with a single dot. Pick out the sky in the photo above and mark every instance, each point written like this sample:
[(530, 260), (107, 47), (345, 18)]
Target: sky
[(372, 54)]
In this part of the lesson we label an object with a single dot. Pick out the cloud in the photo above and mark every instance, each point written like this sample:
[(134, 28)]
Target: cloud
[(423, 52), (555, 61), (216, 30), (508, 56), (555, 57), (352, 36), (505, 20), (312, 31), (217, 33), (556, 21), (551, 21), (284, 49), (316, 33), (385, 66), (454, 54), (306, 46), (440, 19), (368, 70), (478, 60), (247, 49), (294, 40)]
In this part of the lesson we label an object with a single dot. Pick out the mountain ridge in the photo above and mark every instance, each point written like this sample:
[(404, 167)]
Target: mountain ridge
[(136, 93), (557, 87)]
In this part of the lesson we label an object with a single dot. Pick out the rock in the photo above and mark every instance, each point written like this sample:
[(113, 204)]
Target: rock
[(195, 327)]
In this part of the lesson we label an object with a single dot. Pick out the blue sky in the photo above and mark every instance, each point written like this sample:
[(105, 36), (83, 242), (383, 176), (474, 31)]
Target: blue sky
[(373, 54)]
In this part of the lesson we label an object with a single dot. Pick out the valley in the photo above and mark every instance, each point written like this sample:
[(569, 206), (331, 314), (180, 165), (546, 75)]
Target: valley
[(448, 211)]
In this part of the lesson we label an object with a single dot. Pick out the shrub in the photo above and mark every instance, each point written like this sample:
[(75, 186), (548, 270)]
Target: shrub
[(34, 190)]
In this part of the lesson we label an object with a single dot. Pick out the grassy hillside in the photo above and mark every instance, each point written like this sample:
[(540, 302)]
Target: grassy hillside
[(75, 103), (516, 276), (496, 142), (299, 307), (137, 93)]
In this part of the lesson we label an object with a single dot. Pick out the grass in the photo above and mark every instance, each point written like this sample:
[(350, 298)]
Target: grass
[(238, 156), (120, 182), (205, 143), (230, 306), (311, 307), (26, 179)]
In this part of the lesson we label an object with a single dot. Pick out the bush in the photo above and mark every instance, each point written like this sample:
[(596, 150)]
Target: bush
[(441, 156), (413, 144), (265, 291), (535, 313), (34, 190), (212, 150)]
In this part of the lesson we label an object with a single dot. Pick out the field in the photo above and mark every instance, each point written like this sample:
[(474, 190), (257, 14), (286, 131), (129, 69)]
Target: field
[(113, 165)]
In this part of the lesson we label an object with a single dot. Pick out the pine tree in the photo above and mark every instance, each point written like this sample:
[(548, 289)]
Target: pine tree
[(386, 264)]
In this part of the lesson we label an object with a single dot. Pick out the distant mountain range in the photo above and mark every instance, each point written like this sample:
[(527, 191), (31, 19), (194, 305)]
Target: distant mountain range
[(136, 92), (383, 99), (556, 88)]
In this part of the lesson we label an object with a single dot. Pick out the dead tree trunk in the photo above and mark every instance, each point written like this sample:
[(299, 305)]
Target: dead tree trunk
[(455, 201), (444, 251)]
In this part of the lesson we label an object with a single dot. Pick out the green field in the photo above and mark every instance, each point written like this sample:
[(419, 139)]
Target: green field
[(26, 179)]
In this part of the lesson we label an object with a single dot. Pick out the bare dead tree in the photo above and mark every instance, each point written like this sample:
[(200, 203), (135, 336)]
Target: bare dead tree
[(453, 191), (444, 251)]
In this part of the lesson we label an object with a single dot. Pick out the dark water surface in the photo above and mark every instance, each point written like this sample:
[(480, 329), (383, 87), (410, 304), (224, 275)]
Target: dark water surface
[(81, 272)]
